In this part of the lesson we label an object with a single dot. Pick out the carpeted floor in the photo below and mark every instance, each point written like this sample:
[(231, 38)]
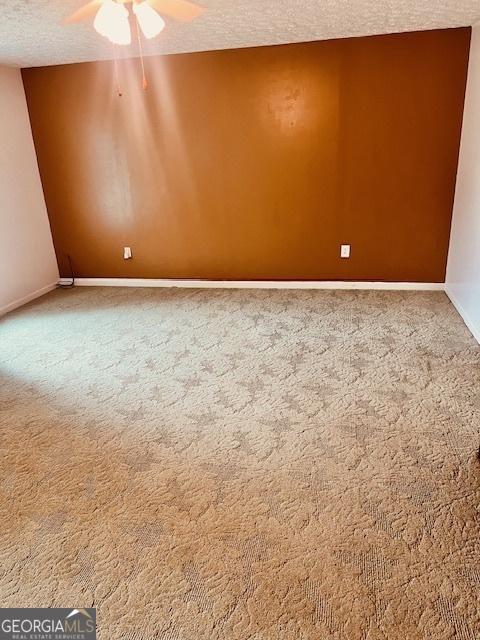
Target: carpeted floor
[(205, 465)]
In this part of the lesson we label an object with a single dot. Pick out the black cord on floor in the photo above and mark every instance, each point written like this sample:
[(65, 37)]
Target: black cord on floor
[(72, 275)]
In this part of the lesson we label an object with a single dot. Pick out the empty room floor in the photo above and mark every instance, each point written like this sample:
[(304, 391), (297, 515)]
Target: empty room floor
[(265, 465)]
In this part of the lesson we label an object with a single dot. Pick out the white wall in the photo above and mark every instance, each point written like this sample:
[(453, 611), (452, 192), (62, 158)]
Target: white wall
[(28, 266), (463, 270)]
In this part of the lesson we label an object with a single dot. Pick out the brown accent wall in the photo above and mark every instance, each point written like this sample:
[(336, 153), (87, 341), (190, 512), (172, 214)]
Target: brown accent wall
[(257, 163)]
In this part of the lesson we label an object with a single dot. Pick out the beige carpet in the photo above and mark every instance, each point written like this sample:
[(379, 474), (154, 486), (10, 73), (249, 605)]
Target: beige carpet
[(204, 465)]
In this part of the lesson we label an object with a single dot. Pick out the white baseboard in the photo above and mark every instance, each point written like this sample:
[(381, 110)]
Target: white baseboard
[(471, 326), (31, 296), (255, 284)]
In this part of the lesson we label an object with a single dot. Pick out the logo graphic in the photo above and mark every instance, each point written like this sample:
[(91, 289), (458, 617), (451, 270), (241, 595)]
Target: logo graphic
[(84, 612), (48, 624)]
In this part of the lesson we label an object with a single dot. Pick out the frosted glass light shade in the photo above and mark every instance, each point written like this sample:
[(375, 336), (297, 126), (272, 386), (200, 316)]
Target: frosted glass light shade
[(151, 23), (111, 22)]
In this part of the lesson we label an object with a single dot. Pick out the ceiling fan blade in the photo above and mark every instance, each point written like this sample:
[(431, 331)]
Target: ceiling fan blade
[(84, 13), (179, 9)]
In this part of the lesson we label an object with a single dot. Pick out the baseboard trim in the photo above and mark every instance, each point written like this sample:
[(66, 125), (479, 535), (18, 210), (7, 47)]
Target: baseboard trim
[(256, 284), (463, 314), (28, 298)]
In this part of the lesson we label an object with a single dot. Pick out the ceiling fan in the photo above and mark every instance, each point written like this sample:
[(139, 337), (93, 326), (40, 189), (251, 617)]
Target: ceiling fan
[(111, 17)]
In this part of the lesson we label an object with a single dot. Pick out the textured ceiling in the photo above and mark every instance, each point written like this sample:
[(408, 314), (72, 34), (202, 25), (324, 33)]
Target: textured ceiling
[(31, 33)]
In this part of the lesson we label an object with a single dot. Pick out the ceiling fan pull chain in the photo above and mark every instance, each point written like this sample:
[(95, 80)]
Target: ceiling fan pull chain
[(140, 48), (115, 70)]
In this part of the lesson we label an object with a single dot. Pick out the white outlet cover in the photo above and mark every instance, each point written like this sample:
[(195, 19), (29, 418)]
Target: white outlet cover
[(127, 253), (345, 251)]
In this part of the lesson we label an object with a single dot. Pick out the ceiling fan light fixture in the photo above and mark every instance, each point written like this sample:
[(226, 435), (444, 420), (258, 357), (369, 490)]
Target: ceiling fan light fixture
[(150, 22), (111, 21)]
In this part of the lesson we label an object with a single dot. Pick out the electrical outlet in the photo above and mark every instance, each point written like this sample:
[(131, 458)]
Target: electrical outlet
[(127, 253), (345, 251)]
